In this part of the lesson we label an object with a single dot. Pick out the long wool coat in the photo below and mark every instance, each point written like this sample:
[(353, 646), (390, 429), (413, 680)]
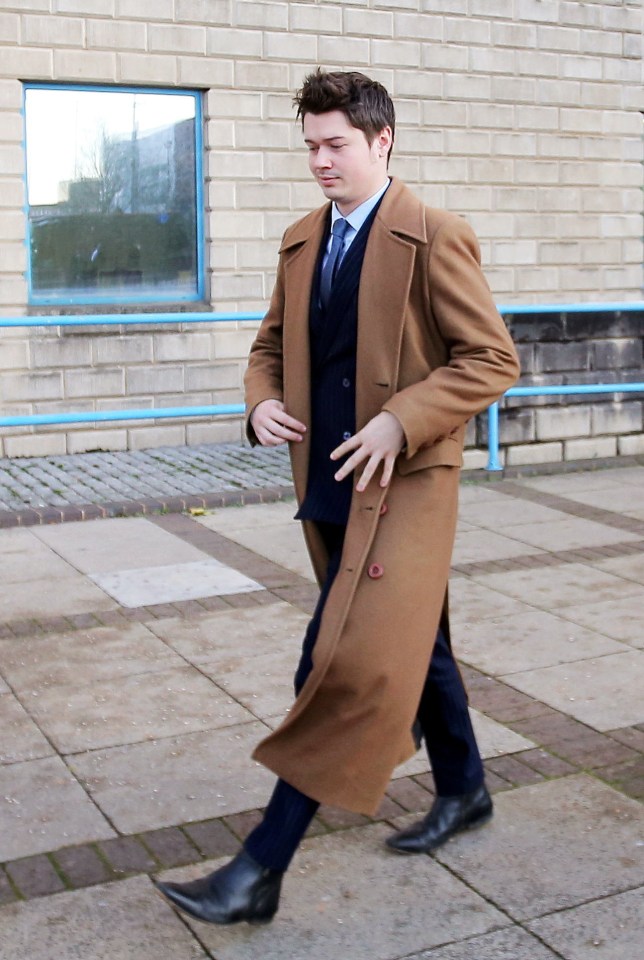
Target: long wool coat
[(432, 350)]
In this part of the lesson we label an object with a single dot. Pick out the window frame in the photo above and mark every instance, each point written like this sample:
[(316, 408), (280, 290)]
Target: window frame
[(71, 299)]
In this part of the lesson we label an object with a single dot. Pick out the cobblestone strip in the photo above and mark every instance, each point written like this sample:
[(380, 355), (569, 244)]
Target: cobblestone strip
[(35, 516), (53, 489), (549, 559)]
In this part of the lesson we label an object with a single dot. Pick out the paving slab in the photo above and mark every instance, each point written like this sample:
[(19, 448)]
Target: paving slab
[(551, 846), (611, 929), (24, 557), (177, 780), (566, 484), (563, 585), (229, 637), (570, 533), (472, 601), (84, 656), (605, 693), (506, 512), (20, 738), (131, 709), (174, 582), (622, 619), (630, 568), (264, 685), (47, 597), (267, 529), (484, 545), (626, 499), (470, 492), (508, 944), (107, 545), (347, 896), (42, 807), (528, 641), (117, 921)]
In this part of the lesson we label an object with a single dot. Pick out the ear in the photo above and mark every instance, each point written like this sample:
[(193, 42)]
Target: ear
[(384, 141)]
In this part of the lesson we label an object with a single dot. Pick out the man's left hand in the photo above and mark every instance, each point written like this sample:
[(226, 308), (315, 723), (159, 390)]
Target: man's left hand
[(379, 441)]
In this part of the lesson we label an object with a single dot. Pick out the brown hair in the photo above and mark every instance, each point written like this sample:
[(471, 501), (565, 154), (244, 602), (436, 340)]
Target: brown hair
[(364, 102)]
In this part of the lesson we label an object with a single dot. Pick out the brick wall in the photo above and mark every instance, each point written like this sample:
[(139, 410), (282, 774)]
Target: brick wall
[(523, 116), (570, 348)]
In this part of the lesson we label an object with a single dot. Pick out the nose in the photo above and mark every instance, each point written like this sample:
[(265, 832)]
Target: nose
[(322, 159)]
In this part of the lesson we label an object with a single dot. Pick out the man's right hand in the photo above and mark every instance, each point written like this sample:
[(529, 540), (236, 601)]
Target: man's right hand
[(273, 426)]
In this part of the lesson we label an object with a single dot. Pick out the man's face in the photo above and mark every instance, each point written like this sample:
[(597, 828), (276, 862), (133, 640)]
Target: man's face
[(348, 169)]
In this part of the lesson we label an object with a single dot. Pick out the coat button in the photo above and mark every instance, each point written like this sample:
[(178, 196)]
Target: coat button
[(375, 571), (384, 508), (347, 435), (346, 382)]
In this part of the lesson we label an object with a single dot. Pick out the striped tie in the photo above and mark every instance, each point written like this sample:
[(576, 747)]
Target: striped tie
[(329, 269)]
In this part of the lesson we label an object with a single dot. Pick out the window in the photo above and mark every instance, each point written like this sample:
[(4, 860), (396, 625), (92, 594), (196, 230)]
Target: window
[(114, 194)]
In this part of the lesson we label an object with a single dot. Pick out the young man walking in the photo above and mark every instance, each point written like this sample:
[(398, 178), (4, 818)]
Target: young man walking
[(380, 342)]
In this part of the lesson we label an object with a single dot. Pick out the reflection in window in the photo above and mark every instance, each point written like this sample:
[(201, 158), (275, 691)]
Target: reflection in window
[(113, 179)]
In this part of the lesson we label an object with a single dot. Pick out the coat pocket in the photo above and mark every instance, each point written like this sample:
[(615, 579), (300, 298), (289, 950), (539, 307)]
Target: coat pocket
[(447, 452)]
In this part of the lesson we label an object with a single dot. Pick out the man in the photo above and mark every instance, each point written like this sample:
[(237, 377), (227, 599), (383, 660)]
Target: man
[(380, 342)]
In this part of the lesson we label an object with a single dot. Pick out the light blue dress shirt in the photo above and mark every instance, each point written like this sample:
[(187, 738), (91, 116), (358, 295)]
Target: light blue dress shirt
[(355, 219)]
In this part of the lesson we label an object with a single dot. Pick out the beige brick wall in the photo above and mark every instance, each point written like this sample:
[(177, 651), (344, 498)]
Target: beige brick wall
[(523, 117)]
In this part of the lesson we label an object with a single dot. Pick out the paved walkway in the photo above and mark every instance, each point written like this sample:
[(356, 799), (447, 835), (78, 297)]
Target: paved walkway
[(141, 658)]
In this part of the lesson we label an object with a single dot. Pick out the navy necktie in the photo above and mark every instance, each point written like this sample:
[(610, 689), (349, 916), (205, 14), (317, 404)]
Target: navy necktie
[(338, 231)]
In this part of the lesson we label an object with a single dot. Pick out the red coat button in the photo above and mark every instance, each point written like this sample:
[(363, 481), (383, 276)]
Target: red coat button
[(375, 571), (383, 509)]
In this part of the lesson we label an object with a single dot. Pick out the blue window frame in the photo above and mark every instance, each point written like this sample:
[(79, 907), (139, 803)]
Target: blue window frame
[(114, 194)]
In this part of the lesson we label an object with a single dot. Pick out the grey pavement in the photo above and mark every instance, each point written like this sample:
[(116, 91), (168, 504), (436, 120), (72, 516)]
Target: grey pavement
[(142, 658)]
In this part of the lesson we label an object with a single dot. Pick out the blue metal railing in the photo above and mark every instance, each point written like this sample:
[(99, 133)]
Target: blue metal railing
[(493, 462), (161, 413), (125, 319)]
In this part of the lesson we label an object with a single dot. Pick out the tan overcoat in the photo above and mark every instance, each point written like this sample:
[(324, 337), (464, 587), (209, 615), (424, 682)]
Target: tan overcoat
[(433, 350)]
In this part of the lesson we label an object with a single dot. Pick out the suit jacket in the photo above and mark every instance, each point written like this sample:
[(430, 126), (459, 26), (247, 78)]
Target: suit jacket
[(333, 334), (433, 350)]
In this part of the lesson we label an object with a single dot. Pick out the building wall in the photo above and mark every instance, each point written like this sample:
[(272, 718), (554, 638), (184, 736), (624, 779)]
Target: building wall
[(521, 115), (569, 348)]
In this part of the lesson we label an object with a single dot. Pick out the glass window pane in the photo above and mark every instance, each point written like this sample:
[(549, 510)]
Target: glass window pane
[(112, 193)]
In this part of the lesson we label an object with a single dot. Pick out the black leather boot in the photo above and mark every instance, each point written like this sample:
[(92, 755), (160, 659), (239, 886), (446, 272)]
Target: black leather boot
[(448, 816), (242, 890)]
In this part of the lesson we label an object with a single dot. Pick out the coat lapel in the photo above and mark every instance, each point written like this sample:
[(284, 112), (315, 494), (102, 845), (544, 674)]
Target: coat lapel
[(384, 296), (300, 258)]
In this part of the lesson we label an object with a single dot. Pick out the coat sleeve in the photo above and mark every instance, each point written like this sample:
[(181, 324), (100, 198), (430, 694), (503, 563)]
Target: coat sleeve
[(482, 361), (263, 379)]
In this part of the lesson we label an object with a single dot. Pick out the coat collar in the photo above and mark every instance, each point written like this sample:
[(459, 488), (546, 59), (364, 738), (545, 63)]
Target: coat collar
[(400, 212)]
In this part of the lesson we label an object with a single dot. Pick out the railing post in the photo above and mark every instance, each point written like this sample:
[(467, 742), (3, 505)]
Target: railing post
[(493, 437)]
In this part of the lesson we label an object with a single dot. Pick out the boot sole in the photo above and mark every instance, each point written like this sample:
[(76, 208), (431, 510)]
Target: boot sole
[(183, 912)]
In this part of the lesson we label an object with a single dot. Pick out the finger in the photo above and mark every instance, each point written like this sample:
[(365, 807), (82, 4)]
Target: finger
[(350, 465), (277, 428), (387, 471), (367, 473), (267, 439), (345, 447), (290, 422)]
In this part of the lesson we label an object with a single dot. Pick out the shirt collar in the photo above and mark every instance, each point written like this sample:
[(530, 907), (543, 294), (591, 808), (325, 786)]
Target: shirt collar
[(357, 217)]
